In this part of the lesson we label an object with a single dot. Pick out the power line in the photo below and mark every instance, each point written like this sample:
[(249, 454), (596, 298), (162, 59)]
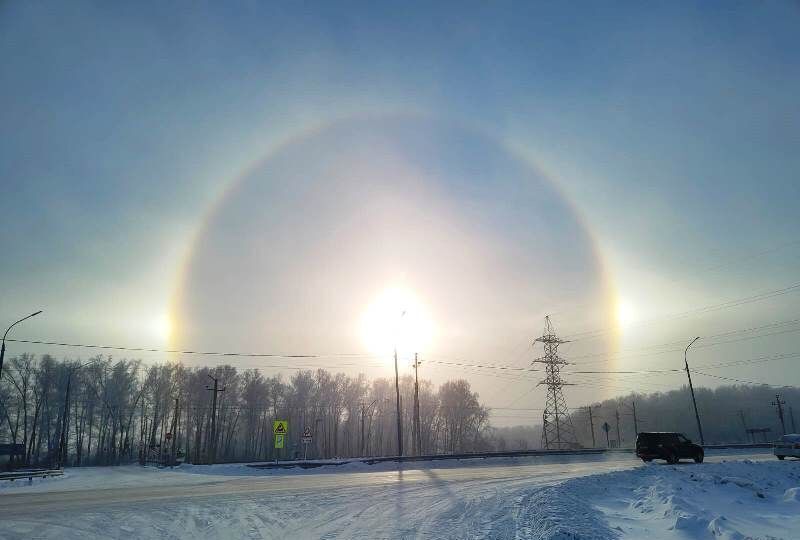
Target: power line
[(592, 334), (757, 360), (514, 409), (745, 381), (477, 369), (641, 371), (702, 346), (696, 271), (484, 366), (202, 353)]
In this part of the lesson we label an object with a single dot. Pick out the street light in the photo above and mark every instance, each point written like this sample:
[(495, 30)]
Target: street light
[(397, 391), (691, 389), (3, 348)]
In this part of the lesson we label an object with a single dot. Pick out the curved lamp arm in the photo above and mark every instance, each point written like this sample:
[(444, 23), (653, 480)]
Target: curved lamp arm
[(19, 321)]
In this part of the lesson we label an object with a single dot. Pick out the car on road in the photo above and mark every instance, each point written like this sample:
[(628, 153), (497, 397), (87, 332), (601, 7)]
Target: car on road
[(788, 445), (668, 446)]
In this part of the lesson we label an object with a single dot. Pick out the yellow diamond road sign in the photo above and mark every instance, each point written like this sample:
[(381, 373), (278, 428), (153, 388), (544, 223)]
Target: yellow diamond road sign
[(280, 427)]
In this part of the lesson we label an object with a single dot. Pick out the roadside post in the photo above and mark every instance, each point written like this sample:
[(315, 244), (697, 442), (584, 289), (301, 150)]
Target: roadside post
[(607, 428), (306, 440), (280, 428)]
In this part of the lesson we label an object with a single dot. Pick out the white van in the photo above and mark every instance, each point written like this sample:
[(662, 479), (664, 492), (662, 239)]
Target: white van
[(788, 445)]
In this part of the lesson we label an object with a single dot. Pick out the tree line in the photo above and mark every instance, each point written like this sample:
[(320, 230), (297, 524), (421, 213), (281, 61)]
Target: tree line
[(120, 411), (726, 413), (107, 411)]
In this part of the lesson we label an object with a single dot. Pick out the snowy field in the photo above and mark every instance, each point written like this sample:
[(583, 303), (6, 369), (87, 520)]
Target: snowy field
[(734, 500), (733, 496)]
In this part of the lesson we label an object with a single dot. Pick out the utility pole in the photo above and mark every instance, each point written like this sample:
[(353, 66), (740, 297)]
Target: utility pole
[(173, 457), (186, 449), (619, 437), (557, 430), (62, 444), (635, 420), (691, 389), (212, 456), (397, 393), (142, 448), (791, 416), (591, 425), (744, 425), (417, 430), (779, 404), (361, 445)]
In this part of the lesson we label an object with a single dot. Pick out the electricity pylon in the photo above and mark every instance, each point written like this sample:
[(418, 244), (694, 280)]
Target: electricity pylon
[(557, 430)]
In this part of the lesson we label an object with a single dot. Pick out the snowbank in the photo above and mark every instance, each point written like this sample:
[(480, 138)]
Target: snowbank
[(508, 498), (733, 500)]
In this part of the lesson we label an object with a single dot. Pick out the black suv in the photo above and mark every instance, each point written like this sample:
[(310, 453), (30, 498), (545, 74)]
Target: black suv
[(669, 446)]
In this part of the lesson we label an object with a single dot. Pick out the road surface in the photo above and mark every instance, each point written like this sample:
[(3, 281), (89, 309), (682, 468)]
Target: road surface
[(473, 498)]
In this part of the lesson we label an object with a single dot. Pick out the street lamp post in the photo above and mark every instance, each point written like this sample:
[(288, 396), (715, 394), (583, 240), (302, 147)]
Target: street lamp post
[(397, 392), (3, 347), (691, 389), (399, 421)]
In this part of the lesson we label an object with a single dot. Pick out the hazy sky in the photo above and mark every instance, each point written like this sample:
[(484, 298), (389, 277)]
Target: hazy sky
[(255, 176)]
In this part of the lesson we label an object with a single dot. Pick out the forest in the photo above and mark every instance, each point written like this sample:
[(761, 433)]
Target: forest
[(121, 411)]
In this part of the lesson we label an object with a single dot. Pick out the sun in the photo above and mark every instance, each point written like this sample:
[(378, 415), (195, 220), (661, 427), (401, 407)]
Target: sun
[(626, 314), (397, 319), (161, 326)]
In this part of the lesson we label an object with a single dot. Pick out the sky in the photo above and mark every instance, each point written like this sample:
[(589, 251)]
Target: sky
[(269, 178)]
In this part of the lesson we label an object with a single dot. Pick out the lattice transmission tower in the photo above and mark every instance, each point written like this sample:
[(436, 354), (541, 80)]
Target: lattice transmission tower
[(557, 430)]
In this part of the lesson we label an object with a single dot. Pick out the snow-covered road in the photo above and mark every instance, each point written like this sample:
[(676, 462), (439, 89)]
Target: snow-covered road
[(497, 498)]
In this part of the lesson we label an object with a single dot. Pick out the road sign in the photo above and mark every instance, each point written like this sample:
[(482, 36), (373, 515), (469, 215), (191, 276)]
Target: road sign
[(306, 440), (606, 427), (279, 440), (307, 432), (280, 427)]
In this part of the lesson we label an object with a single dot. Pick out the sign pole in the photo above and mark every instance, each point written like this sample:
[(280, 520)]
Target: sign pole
[(306, 440), (280, 428)]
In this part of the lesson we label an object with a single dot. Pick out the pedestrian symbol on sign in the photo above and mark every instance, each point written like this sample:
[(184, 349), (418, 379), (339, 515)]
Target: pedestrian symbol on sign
[(306, 440), (280, 427)]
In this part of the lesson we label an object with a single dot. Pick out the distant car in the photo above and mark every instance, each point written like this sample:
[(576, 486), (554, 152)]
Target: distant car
[(671, 447), (788, 445)]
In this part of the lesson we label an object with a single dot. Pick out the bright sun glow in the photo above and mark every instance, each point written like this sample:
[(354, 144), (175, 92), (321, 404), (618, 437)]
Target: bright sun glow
[(162, 327), (626, 315), (396, 318)]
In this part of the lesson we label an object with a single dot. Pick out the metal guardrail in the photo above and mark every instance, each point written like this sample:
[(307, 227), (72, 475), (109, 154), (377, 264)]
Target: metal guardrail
[(432, 457), (739, 445), (30, 474), (478, 455), (484, 455)]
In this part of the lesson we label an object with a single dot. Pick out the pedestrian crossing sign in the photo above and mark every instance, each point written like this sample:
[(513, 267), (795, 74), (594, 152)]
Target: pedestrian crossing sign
[(279, 439), (280, 427)]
